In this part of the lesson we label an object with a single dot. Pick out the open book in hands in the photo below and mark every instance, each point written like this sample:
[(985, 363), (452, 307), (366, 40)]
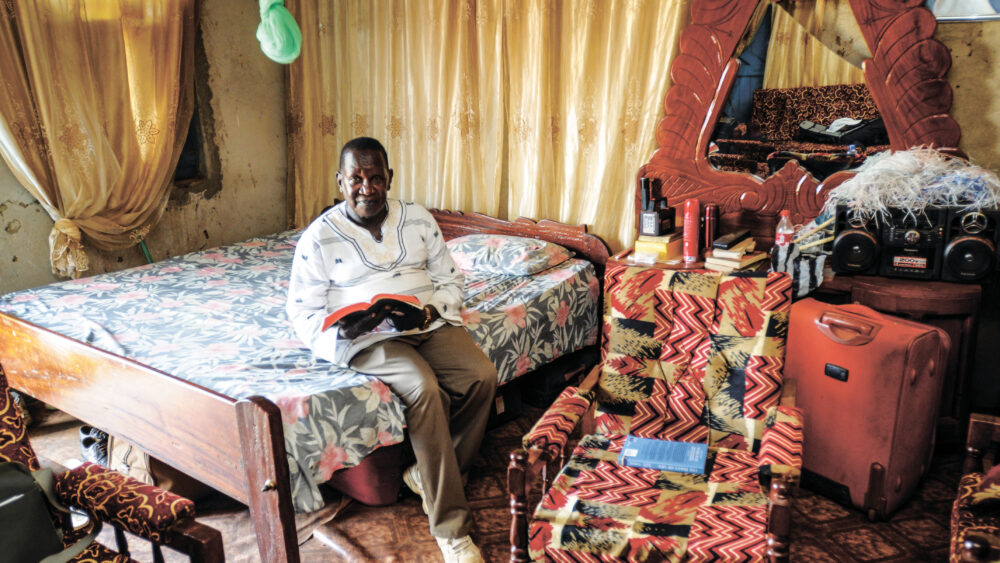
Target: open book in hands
[(404, 312)]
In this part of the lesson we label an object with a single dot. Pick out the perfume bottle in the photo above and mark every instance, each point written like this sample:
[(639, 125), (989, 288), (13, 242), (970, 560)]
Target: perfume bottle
[(656, 217)]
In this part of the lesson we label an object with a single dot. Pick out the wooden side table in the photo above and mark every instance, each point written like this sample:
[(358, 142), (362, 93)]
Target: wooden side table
[(625, 257), (952, 307)]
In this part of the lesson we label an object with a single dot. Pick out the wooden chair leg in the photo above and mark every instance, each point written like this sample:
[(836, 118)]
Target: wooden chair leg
[(121, 542), (516, 472), (779, 521), (201, 543), (980, 437)]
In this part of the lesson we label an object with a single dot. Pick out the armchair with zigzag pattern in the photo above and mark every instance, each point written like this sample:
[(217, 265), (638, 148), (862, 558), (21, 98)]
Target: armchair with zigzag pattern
[(686, 355), (146, 511)]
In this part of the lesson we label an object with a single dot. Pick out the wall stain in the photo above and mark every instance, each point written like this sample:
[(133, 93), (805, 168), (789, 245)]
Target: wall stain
[(21, 204), (13, 227)]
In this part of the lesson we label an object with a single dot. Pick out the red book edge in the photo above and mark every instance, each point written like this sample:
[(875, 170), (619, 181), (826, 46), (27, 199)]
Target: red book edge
[(334, 317)]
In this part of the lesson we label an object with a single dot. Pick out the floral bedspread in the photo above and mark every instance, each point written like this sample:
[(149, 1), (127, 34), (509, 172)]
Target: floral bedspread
[(523, 322), (217, 318)]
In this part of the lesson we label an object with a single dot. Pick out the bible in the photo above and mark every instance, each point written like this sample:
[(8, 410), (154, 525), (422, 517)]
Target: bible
[(407, 312), (665, 455)]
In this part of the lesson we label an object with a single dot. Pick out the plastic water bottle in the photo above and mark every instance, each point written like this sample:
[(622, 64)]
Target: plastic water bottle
[(786, 232), (783, 237)]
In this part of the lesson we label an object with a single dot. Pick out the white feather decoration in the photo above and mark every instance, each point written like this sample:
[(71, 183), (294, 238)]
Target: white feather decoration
[(912, 180)]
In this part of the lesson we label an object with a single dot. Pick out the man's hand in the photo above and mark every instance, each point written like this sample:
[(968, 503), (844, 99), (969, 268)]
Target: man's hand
[(432, 315), (353, 326)]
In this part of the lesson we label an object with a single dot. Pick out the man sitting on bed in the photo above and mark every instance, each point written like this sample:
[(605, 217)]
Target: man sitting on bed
[(367, 245)]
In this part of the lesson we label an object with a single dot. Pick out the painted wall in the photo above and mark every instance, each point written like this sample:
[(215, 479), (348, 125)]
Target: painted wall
[(975, 79), (248, 106)]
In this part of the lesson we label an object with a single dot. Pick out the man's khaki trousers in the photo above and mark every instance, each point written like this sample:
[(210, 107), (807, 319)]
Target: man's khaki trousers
[(447, 385)]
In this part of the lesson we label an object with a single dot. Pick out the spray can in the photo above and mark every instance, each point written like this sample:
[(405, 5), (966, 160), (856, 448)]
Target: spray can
[(692, 232)]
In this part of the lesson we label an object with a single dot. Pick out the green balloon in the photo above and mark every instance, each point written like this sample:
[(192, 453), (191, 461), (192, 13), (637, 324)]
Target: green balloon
[(279, 35)]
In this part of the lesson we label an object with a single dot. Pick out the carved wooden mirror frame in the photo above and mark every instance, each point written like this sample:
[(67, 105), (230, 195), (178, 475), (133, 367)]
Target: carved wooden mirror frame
[(906, 77)]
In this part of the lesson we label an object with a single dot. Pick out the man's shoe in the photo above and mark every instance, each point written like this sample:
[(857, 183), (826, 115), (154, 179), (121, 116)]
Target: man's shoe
[(459, 550), (411, 477)]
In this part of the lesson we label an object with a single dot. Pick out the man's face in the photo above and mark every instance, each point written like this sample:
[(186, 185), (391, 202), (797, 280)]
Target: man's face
[(364, 182)]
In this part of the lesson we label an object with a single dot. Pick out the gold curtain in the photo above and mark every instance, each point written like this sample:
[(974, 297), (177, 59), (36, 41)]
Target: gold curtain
[(587, 82), (422, 76), (96, 101), (796, 56), (534, 108)]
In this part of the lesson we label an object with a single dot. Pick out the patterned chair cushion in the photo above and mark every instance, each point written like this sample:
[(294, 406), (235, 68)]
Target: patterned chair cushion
[(781, 446), (95, 552), (647, 351), (987, 493), (14, 444), (553, 429), (692, 356), (743, 376), (142, 509), (969, 519), (597, 509)]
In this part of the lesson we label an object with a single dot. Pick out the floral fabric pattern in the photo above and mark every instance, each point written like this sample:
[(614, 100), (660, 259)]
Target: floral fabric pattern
[(14, 444), (95, 552), (217, 318), (524, 322), (110, 496), (500, 254), (777, 112), (968, 519), (107, 495)]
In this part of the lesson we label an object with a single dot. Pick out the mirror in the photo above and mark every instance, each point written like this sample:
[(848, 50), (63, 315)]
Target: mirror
[(799, 94), (905, 75)]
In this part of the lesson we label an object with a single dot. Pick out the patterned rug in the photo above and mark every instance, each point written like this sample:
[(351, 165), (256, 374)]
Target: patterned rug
[(824, 531)]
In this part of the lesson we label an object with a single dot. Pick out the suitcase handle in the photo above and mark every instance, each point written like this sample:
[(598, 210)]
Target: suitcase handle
[(848, 330)]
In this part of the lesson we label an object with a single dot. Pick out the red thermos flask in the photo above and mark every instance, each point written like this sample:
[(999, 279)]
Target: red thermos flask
[(711, 225)]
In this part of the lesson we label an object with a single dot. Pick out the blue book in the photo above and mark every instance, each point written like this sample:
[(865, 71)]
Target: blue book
[(665, 455)]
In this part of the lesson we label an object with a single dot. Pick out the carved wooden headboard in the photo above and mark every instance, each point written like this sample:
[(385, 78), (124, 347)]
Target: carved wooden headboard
[(905, 75)]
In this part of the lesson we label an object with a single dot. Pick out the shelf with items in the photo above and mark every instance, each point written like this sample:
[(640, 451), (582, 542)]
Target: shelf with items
[(627, 257)]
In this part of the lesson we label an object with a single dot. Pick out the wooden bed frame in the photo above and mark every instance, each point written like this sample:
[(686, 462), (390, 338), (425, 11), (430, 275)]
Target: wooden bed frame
[(235, 446)]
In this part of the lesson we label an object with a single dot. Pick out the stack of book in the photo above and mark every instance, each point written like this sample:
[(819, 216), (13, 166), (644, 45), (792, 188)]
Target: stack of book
[(730, 255), (665, 247)]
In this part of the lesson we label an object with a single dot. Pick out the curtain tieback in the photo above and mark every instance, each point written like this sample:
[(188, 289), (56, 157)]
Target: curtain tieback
[(66, 250)]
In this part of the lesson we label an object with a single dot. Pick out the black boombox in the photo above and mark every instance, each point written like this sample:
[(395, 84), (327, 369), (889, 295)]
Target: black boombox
[(940, 243)]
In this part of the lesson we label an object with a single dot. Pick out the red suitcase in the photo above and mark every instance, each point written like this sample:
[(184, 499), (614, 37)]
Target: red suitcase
[(869, 385)]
